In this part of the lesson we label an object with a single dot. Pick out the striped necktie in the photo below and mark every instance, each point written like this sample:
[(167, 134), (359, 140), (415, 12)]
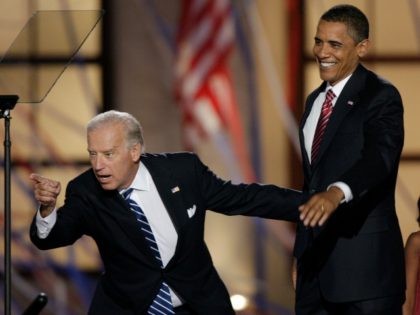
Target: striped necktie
[(326, 111), (162, 304)]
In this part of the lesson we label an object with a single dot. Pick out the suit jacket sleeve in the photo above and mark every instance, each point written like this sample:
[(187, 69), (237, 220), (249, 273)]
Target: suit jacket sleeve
[(69, 227), (383, 140), (268, 201)]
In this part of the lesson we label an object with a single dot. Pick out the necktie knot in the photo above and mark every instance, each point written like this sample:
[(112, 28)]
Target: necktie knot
[(126, 194), (330, 96)]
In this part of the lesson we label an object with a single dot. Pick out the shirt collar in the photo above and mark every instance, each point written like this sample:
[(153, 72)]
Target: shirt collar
[(141, 180), (338, 87)]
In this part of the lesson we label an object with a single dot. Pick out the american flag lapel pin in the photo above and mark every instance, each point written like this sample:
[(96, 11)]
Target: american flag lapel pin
[(175, 189)]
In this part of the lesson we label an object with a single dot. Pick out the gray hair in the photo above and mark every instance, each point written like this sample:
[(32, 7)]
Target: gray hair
[(133, 129)]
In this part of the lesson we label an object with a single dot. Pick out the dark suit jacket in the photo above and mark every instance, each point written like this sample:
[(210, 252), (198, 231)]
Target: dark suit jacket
[(132, 276), (358, 254)]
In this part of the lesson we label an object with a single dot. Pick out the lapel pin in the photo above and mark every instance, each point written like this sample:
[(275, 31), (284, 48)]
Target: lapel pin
[(350, 103), (175, 189)]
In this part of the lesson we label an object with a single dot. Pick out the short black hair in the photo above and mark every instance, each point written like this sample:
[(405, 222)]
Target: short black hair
[(355, 20)]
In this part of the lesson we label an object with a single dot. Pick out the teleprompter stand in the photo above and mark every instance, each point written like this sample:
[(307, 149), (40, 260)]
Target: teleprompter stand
[(7, 103), (25, 79)]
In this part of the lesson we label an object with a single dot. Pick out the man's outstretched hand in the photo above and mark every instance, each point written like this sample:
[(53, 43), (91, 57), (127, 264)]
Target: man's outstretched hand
[(320, 207)]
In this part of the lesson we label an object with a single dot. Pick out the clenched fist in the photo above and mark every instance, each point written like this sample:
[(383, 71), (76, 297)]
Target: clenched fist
[(46, 192)]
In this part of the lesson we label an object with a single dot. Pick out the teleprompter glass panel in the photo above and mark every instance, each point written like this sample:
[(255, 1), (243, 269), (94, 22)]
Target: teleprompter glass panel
[(61, 34)]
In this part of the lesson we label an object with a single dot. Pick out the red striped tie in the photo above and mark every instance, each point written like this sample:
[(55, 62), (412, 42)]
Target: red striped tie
[(326, 111)]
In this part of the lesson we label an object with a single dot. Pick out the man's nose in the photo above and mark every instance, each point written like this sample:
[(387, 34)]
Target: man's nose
[(322, 50), (98, 162)]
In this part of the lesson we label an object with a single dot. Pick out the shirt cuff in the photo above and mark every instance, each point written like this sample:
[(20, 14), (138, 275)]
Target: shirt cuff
[(45, 225), (348, 195)]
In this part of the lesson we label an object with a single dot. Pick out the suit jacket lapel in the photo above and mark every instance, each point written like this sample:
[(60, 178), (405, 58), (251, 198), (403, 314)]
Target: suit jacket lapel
[(118, 210), (171, 194), (169, 190), (347, 100)]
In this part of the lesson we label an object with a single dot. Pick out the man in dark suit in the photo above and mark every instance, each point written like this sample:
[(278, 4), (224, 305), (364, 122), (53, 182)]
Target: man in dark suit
[(350, 260), (173, 192)]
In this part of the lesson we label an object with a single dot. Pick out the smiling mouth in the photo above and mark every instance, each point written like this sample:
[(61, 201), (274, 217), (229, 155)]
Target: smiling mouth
[(326, 64)]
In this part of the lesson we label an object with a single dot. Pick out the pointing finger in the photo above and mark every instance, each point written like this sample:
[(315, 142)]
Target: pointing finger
[(38, 179)]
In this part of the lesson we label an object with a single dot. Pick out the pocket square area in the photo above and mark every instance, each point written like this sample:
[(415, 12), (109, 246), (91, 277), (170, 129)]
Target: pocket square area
[(191, 211)]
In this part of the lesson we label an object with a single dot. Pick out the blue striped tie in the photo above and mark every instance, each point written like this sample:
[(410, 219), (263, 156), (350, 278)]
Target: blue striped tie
[(162, 304)]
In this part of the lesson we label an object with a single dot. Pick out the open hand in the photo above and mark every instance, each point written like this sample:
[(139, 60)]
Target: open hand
[(319, 207)]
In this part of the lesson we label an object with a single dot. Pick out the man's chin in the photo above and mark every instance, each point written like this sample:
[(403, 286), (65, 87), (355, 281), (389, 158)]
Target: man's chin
[(326, 76), (108, 186)]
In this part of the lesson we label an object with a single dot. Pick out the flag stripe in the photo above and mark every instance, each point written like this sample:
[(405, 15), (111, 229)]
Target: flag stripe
[(203, 87)]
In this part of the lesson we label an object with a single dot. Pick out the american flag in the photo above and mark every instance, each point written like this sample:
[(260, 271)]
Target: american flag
[(203, 84)]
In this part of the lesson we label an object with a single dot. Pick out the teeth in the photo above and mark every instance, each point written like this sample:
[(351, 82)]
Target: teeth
[(327, 64)]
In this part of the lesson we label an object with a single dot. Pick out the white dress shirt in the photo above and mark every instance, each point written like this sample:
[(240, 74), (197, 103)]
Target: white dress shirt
[(312, 121)]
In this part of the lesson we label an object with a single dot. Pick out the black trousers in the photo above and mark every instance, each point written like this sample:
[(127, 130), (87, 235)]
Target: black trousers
[(309, 301)]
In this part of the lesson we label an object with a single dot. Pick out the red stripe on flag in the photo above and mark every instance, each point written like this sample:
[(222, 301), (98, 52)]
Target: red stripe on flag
[(203, 85)]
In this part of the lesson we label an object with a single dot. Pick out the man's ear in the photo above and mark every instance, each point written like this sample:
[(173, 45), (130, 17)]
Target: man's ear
[(363, 48), (135, 152)]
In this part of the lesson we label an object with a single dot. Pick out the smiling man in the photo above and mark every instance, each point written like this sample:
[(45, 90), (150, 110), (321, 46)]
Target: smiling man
[(146, 213), (349, 259)]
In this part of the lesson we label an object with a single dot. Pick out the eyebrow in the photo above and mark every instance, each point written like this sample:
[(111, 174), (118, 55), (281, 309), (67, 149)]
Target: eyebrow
[(331, 42), (335, 43)]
